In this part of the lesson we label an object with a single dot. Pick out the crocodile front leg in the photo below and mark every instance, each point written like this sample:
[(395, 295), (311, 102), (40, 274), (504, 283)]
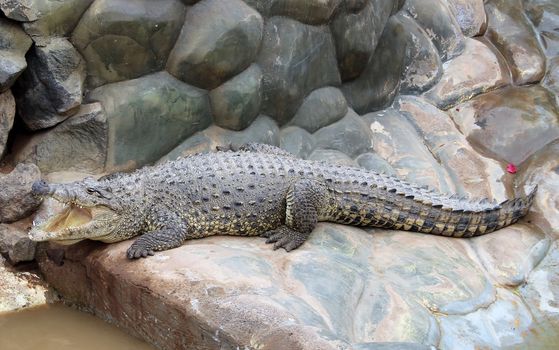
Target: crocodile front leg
[(151, 242), (304, 201)]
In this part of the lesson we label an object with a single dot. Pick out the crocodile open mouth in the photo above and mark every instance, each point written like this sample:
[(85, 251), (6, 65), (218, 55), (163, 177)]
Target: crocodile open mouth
[(68, 223), (72, 216)]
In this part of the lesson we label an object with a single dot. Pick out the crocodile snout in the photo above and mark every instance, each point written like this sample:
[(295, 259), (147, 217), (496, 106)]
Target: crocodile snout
[(40, 188)]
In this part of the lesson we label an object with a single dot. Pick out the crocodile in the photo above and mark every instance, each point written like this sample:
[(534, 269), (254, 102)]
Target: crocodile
[(255, 190)]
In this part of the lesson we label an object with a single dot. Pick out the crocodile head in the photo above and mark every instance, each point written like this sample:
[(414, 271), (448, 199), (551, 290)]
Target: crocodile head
[(91, 210)]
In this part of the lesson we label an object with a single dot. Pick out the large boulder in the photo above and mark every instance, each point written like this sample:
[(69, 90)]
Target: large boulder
[(438, 21), (219, 39), (51, 89), (16, 201), (461, 80), (423, 65), (356, 33), (512, 33), (149, 116), (509, 124), (349, 135), (122, 39), (78, 144), (297, 141), (377, 86), (236, 103), (320, 108), (296, 59), (544, 14), (14, 43)]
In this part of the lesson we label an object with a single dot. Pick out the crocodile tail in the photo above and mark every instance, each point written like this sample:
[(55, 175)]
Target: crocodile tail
[(469, 223)]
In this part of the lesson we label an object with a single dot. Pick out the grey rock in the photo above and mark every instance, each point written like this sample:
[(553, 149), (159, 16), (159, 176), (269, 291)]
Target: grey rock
[(20, 10), (123, 40), (297, 141), (236, 103), (377, 86), (150, 116), (263, 130), (16, 201), (544, 14), (296, 59), (77, 144), (437, 20), (356, 33), (14, 43), (423, 66), (350, 135), (397, 141), (511, 32), (219, 40), (54, 17), (509, 124), (51, 89), (499, 325), (7, 114), (541, 291), (461, 80), (320, 108), (470, 15), (15, 244), (372, 161), (332, 156)]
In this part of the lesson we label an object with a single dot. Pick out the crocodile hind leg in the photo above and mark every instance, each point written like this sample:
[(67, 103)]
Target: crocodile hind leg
[(303, 202)]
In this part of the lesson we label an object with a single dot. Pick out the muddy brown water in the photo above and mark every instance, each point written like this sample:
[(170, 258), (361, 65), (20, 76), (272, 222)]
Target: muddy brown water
[(58, 327)]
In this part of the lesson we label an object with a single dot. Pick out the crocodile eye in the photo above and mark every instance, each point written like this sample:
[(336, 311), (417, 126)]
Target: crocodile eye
[(91, 190)]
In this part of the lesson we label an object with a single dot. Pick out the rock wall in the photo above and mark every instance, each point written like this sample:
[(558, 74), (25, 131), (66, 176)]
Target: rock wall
[(444, 93)]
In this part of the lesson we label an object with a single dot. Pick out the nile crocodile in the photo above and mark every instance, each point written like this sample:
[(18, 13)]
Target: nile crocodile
[(258, 190)]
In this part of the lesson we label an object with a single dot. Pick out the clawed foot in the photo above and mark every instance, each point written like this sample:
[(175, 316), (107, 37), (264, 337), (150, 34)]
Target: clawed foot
[(135, 251), (285, 238)]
